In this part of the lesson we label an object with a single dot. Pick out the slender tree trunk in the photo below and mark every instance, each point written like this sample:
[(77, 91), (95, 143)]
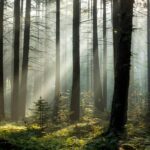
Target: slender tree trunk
[(21, 21), (122, 69), (21, 9), (37, 74), (75, 97), (57, 80), (91, 48), (96, 68), (88, 50), (66, 47), (2, 114), (16, 46), (46, 64), (148, 40), (21, 33), (92, 7), (25, 62), (104, 102)]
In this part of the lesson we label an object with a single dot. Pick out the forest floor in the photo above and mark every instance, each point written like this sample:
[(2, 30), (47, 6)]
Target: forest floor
[(85, 135)]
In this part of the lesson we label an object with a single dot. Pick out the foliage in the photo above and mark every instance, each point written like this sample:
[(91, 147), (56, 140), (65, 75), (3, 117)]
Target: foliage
[(103, 143), (137, 104), (64, 105), (85, 135), (87, 106), (41, 113), (63, 113), (71, 137)]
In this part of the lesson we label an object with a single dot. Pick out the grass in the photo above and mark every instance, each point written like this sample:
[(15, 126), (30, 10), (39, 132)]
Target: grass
[(80, 136)]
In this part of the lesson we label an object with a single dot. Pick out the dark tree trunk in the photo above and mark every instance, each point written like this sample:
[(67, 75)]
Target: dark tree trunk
[(2, 114), (75, 97), (57, 80), (122, 69), (16, 46), (116, 23), (104, 102), (96, 69), (26, 46), (21, 9)]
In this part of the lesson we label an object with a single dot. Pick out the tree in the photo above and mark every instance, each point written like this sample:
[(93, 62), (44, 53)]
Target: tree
[(116, 22), (46, 47), (88, 49), (37, 85), (75, 96), (122, 69), (26, 47), (96, 68), (41, 113), (57, 80), (16, 47), (148, 48), (104, 100), (2, 114)]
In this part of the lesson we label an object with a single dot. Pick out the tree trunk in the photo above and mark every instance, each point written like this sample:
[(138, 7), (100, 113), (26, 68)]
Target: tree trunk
[(46, 64), (57, 80), (66, 48), (25, 62), (21, 21), (116, 23), (75, 97), (16, 46), (148, 48), (88, 50), (2, 114), (122, 69), (96, 68), (104, 102), (37, 85)]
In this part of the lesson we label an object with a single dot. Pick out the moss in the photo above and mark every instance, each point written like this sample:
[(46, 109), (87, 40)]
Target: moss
[(80, 136)]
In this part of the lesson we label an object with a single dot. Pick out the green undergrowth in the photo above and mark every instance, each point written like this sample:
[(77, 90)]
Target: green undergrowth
[(72, 137), (85, 135), (137, 137)]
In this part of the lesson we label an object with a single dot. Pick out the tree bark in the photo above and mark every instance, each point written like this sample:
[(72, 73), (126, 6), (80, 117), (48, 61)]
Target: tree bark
[(88, 50), (75, 97), (57, 80), (25, 62), (116, 23), (148, 51), (16, 46), (96, 69), (2, 114), (104, 102), (122, 69), (46, 64)]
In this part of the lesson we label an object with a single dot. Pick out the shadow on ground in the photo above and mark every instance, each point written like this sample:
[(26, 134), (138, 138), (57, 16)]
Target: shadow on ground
[(103, 142)]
